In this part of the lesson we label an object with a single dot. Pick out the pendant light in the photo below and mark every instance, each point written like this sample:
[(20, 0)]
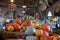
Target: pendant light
[(11, 0), (24, 6), (23, 11)]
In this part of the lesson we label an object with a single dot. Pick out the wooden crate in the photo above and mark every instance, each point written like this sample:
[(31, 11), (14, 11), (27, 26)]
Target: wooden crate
[(15, 35)]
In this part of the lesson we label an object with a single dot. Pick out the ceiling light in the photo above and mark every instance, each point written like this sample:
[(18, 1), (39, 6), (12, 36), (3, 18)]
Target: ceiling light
[(23, 11), (24, 6), (11, 0)]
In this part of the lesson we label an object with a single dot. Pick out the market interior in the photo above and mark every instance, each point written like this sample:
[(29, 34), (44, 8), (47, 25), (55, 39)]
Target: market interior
[(29, 19)]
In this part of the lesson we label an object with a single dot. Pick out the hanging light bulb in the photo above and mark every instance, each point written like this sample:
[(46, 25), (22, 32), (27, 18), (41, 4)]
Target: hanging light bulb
[(49, 14), (11, 0), (23, 11), (24, 6)]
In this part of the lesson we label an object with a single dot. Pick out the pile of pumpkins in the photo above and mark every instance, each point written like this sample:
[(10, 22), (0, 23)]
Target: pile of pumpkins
[(43, 31), (14, 26)]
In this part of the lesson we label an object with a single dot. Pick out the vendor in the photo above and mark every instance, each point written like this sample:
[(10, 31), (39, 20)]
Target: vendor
[(37, 16)]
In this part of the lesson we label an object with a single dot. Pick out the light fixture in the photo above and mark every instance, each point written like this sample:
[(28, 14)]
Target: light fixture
[(23, 11), (24, 6), (11, 0), (49, 14)]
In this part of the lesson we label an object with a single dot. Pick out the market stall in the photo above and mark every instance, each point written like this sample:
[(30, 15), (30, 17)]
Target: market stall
[(34, 24)]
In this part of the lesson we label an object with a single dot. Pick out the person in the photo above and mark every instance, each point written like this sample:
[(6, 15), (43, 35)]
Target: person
[(37, 17)]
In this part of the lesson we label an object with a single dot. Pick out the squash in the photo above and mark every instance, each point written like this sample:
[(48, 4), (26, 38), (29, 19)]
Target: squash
[(45, 33), (10, 28), (23, 29), (45, 38), (39, 32), (27, 22), (17, 20), (55, 35), (55, 38), (29, 31), (35, 24), (46, 27), (17, 27)]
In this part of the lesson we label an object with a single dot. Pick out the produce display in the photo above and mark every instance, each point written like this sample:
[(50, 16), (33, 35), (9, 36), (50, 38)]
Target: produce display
[(33, 29)]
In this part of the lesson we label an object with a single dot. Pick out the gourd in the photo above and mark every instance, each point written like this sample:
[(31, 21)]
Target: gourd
[(17, 27), (17, 20), (46, 27), (35, 24), (45, 38), (27, 22), (10, 28), (29, 31), (39, 32)]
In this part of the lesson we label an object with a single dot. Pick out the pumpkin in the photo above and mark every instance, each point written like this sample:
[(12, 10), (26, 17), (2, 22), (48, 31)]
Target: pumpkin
[(39, 32), (55, 35), (46, 27), (27, 22), (23, 29), (7, 25), (10, 28), (29, 31), (55, 38), (17, 27), (45, 38), (17, 20), (35, 24), (30, 23), (45, 33)]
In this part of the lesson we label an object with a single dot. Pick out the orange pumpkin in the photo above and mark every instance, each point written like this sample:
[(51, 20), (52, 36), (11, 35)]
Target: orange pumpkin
[(17, 20), (45, 38), (35, 25), (10, 28), (55, 35), (17, 27), (30, 22), (46, 27), (45, 33), (39, 32), (7, 25), (27, 22)]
